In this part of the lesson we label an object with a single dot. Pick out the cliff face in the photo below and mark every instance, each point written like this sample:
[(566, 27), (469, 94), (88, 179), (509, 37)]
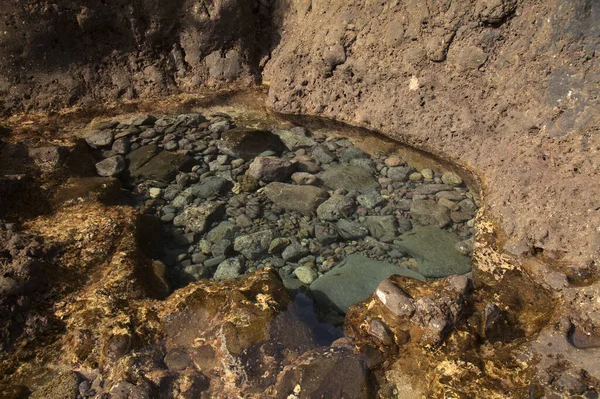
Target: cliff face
[(507, 88), (63, 53)]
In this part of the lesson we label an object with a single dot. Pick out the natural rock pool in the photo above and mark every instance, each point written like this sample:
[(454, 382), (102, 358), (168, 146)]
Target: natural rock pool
[(331, 218)]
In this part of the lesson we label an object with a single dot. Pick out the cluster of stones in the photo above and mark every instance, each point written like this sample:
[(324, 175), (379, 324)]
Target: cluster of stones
[(232, 200)]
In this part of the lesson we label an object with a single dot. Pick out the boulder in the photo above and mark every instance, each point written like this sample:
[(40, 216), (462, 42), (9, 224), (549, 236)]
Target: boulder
[(110, 167), (163, 166)]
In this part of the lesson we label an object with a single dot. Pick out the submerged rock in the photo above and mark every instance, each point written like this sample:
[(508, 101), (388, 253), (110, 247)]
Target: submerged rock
[(249, 143), (303, 199), (349, 177), (359, 276), (435, 252)]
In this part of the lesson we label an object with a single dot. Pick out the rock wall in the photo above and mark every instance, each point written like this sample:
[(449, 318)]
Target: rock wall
[(507, 88), (63, 53)]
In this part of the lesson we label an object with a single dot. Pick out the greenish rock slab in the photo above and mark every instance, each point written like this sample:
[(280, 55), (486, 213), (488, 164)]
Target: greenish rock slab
[(353, 280), (435, 251)]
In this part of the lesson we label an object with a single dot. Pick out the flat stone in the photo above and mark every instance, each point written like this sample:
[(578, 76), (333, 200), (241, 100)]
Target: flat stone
[(305, 274), (399, 173), (467, 206), (211, 186), (294, 252), (349, 178), (121, 146), (223, 231), (350, 230), (427, 174), (360, 276), (449, 195), (100, 139), (291, 197), (370, 199), (229, 269), (295, 139), (199, 218), (352, 153), (459, 217), (249, 143), (392, 161), (144, 120), (278, 244), (453, 206), (253, 245), (435, 253), (163, 166), (271, 169), (428, 212), (110, 167), (383, 228), (335, 208), (138, 158)]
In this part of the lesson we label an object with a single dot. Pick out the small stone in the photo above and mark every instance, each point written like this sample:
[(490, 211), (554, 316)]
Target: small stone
[(213, 262), (110, 167), (428, 189), (211, 186), (451, 179), (224, 231), (370, 199), (394, 299), (167, 218), (243, 221), (465, 247), (221, 247), (427, 174), (449, 195), (252, 246), (416, 176), (295, 138), (270, 169), (278, 244), (229, 269), (326, 234), (349, 230), (303, 199), (453, 206), (427, 212), (382, 228), (144, 120), (198, 219), (100, 139), (392, 161), (352, 153), (304, 179), (350, 178), (336, 207), (171, 145), (249, 143), (155, 192), (399, 173), (468, 206), (305, 274), (294, 252)]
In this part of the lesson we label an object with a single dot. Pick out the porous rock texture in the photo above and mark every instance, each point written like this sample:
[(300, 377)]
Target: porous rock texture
[(507, 88)]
